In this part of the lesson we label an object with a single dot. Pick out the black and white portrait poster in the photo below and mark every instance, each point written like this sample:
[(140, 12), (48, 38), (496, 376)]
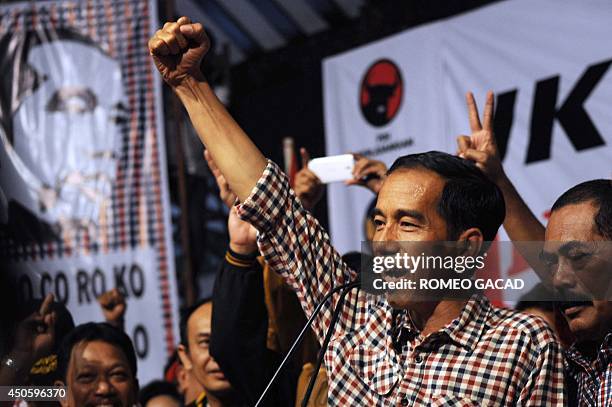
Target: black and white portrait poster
[(84, 204)]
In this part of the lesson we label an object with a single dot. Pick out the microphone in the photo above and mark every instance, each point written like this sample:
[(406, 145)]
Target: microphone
[(345, 288)]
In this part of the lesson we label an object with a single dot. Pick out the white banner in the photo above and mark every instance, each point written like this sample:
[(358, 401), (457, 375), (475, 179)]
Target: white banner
[(79, 281), (84, 202), (548, 63)]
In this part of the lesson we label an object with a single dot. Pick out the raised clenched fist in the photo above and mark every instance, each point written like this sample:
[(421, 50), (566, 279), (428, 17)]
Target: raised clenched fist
[(177, 50), (113, 307)]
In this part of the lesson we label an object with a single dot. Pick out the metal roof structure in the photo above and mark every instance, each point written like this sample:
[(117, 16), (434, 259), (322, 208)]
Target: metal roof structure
[(250, 27)]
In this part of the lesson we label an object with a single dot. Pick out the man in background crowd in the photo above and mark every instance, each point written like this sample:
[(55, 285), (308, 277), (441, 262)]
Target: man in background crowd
[(194, 351), (578, 254), (575, 257), (97, 364)]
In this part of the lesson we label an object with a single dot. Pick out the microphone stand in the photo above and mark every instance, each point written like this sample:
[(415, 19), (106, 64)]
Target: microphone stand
[(328, 335), (345, 288)]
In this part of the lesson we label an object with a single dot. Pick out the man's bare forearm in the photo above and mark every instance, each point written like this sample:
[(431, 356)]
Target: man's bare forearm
[(520, 223), (523, 228), (238, 159)]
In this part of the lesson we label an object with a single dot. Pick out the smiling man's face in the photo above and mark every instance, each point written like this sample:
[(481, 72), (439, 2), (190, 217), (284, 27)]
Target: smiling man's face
[(406, 211), (99, 374), (579, 259)]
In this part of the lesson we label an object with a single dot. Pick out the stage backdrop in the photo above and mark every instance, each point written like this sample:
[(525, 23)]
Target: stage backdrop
[(84, 199), (548, 63)]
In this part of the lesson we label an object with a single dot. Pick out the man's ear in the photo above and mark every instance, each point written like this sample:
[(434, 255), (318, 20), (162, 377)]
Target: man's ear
[(184, 355), (63, 402), (470, 242), (181, 378)]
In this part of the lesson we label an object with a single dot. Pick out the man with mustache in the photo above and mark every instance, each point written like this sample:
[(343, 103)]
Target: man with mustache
[(393, 350), (576, 258), (578, 254)]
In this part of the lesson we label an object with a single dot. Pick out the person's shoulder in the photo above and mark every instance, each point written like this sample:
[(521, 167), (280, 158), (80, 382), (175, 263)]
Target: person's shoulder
[(514, 324)]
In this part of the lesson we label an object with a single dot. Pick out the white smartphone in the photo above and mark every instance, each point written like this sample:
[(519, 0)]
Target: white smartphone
[(334, 168)]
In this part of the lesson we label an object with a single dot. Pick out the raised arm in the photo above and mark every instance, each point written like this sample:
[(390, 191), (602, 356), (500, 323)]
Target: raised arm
[(177, 50), (481, 147), (292, 241)]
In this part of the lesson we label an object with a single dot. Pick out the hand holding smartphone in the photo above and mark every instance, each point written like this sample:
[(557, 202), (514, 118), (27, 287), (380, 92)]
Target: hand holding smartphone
[(334, 168)]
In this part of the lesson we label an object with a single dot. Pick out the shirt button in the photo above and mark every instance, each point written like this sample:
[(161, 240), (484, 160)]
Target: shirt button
[(418, 359), (404, 401)]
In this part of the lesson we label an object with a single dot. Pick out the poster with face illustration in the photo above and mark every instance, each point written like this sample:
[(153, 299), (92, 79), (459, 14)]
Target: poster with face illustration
[(83, 192)]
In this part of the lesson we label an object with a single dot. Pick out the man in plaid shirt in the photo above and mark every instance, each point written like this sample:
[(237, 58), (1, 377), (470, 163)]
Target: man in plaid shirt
[(384, 351)]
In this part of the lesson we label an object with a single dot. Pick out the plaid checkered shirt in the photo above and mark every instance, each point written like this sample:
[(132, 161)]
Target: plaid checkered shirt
[(592, 378), (485, 357)]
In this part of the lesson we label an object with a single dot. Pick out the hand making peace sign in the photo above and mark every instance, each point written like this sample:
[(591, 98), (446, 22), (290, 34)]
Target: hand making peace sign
[(481, 146)]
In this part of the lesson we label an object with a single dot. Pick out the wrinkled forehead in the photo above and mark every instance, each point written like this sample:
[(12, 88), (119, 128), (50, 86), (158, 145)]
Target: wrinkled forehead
[(74, 63), (573, 223), (573, 228)]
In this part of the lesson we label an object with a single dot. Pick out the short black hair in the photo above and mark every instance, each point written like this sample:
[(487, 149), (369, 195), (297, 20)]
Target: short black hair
[(185, 319), (158, 388), (469, 199), (95, 331), (598, 191)]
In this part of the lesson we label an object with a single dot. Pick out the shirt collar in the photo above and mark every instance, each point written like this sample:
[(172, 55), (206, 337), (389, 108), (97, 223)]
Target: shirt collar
[(575, 356), (465, 330), (201, 401)]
